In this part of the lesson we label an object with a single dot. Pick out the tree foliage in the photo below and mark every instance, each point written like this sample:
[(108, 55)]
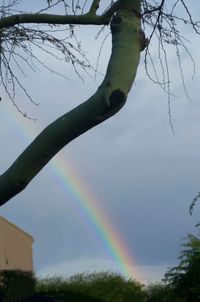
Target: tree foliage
[(103, 286), (184, 279)]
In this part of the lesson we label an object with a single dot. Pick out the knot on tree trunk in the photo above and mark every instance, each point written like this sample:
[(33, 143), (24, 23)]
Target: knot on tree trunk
[(143, 40), (116, 98)]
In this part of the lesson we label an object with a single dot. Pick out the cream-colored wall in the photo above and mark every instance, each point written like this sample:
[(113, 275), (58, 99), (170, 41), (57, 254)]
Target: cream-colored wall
[(15, 248)]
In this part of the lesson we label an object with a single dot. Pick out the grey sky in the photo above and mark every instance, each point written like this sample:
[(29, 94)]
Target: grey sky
[(143, 175)]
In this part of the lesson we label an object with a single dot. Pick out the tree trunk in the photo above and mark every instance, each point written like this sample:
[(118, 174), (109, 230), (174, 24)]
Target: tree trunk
[(108, 100)]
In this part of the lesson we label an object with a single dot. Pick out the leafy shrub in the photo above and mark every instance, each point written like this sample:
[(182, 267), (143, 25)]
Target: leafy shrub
[(105, 287), (184, 279), (16, 285)]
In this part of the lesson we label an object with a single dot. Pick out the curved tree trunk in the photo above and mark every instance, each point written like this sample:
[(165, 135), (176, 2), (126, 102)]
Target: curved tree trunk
[(108, 100)]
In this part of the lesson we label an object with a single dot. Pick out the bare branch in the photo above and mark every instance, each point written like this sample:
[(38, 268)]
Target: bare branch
[(94, 7), (165, 21), (86, 19), (162, 20), (52, 19)]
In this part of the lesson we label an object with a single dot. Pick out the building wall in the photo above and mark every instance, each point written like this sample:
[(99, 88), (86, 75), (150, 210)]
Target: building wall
[(15, 248)]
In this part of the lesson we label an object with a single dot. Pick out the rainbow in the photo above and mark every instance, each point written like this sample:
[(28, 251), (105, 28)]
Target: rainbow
[(87, 205)]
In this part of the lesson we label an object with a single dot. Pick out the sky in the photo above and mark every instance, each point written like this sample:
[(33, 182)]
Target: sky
[(140, 176)]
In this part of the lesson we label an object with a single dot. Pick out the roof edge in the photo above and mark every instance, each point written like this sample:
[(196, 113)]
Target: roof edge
[(18, 228)]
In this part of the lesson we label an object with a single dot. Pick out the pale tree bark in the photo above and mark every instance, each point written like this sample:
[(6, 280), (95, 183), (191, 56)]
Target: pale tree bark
[(108, 99)]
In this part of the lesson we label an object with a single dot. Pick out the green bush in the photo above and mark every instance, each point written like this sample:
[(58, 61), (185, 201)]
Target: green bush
[(16, 285), (104, 287), (160, 292), (184, 279)]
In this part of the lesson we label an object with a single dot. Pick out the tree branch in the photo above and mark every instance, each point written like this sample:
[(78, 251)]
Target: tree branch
[(94, 7), (108, 100), (85, 19), (52, 19)]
